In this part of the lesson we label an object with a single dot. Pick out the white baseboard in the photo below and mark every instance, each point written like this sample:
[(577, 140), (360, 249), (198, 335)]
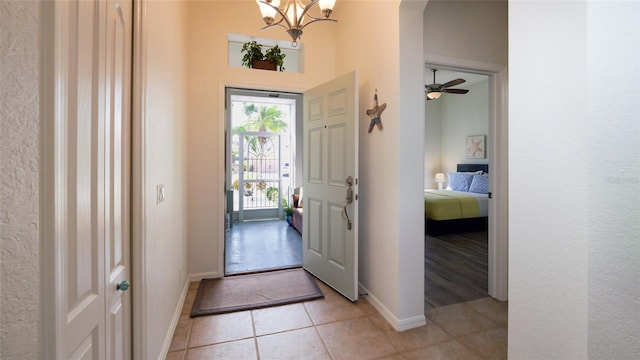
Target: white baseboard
[(397, 324), (166, 344), (207, 275)]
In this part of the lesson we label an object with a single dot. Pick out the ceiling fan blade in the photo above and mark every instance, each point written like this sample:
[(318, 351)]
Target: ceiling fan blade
[(455, 91), (453, 83)]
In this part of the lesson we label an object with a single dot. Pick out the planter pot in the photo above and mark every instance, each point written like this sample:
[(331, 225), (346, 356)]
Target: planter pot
[(263, 64), (288, 217)]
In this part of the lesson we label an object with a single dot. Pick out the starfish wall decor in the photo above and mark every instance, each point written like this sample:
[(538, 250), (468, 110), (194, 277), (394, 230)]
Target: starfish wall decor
[(375, 113)]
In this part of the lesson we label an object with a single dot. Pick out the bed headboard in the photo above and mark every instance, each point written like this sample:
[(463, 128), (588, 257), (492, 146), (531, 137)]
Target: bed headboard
[(472, 167)]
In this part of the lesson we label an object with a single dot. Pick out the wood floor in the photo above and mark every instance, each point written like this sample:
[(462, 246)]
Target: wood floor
[(455, 268)]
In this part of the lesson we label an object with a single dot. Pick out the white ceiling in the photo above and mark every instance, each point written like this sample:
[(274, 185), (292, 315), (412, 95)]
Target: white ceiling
[(442, 76)]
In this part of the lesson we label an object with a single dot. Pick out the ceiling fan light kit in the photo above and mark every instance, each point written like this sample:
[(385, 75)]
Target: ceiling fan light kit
[(435, 90), (292, 15), (432, 95)]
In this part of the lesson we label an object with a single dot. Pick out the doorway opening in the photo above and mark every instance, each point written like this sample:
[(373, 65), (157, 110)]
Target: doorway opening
[(262, 171), (456, 245)]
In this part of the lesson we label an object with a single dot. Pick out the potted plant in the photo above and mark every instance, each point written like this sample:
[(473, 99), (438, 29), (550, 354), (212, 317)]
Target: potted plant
[(288, 214), (275, 55), (254, 58), (288, 211)]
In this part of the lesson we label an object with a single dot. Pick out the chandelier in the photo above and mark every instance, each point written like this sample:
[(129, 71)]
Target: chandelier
[(292, 15)]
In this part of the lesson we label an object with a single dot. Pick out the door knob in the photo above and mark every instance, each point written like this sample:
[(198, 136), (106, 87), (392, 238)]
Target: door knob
[(123, 285)]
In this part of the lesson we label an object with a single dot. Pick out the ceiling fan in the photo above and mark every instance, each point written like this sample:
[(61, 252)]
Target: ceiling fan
[(435, 90)]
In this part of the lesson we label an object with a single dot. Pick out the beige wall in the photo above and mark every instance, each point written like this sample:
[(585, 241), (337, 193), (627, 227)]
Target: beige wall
[(372, 51), (390, 160), (166, 163), (464, 115), (449, 121), (433, 142), (209, 24), (355, 42), (20, 312), (471, 30)]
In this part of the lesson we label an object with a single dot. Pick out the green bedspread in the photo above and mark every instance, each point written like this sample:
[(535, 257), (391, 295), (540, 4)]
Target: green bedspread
[(447, 205)]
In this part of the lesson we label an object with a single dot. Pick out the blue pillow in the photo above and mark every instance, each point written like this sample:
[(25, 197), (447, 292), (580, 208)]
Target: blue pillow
[(479, 184), (460, 181)]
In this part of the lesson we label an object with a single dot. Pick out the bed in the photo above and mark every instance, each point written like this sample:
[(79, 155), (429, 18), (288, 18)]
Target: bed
[(464, 206)]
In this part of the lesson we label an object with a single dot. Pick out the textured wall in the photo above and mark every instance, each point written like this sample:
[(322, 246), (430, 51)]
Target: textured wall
[(614, 154), (574, 162), (19, 149)]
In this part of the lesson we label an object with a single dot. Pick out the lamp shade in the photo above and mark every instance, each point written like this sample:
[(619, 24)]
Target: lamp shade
[(266, 10), (439, 178), (326, 4)]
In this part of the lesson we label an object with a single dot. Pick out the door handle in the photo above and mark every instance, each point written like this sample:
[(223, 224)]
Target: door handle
[(347, 215), (349, 200), (123, 285)]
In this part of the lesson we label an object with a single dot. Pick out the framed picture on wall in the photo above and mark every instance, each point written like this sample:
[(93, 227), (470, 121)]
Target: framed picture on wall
[(474, 147)]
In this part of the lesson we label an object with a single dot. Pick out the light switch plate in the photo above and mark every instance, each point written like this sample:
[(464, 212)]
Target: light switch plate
[(159, 193)]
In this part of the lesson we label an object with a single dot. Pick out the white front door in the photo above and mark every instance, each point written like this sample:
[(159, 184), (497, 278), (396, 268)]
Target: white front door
[(89, 171), (330, 148)]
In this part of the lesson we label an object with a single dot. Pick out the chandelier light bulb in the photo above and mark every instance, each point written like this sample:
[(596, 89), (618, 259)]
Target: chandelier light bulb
[(326, 6), (293, 14), (268, 12)]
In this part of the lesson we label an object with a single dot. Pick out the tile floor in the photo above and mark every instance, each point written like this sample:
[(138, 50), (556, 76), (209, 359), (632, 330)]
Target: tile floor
[(335, 328)]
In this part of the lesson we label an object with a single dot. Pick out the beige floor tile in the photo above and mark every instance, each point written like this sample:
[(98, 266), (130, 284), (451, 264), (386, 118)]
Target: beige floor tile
[(181, 334), (494, 310), (490, 344), (294, 345), (366, 307), (417, 338), (207, 330), (459, 319), (281, 318), (330, 294), (326, 289), (449, 350), (334, 309), (188, 302), (393, 357), (235, 350), (355, 339), (380, 322), (175, 355)]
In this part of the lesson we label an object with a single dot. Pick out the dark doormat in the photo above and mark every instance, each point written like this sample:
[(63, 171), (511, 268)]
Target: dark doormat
[(255, 291)]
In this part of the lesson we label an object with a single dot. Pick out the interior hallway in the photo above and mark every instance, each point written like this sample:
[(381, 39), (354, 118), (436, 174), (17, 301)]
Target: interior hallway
[(335, 328), (261, 245)]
